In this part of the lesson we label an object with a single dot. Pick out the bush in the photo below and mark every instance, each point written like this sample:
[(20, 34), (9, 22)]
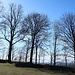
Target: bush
[(3, 61)]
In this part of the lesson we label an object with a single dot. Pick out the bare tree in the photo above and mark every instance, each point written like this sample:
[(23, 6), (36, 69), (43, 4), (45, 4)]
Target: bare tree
[(65, 55), (67, 25), (51, 56), (36, 23), (10, 24), (2, 50), (28, 47), (21, 55), (41, 41), (56, 35), (14, 53)]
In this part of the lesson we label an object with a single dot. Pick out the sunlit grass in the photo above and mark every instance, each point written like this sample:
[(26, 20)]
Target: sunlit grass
[(10, 69)]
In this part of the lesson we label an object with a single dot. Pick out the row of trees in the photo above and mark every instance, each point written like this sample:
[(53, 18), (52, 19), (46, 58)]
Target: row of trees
[(34, 31), (14, 28)]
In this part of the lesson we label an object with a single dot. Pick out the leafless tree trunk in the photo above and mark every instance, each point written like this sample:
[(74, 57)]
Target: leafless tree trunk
[(39, 57), (55, 52), (36, 54), (51, 59)]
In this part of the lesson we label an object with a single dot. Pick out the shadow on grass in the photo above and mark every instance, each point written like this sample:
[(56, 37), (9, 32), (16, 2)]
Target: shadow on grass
[(45, 67)]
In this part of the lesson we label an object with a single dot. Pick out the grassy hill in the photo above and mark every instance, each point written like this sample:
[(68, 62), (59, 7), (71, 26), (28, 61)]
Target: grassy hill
[(10, 69)]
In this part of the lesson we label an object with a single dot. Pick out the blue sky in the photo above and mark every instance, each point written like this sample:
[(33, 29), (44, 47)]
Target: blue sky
[(53, 8)]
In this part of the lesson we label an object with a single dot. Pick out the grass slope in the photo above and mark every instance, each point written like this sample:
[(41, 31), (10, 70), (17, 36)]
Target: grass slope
[(10, 69)]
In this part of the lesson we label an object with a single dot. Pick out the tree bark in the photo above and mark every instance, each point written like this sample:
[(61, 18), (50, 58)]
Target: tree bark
[(74, 56), (32, 48), (39, 57), (27, 50), (51, 59), (26, 55), (66, 60), (74, 52), (36, 56), (55, 53), (9, 55)]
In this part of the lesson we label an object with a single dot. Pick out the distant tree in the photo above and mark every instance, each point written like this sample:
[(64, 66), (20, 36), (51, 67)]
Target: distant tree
[(65, 55), (14, 53), (36, 23), (41, 41), (2, 50), (10, 24), (51, 57), (21, 53), (67, 25), (28, 47)]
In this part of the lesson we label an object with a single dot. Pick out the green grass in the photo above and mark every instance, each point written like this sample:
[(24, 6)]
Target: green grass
[(10, 69)]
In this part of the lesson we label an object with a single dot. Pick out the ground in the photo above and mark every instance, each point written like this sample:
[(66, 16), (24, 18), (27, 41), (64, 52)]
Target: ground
[(10, 69)]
